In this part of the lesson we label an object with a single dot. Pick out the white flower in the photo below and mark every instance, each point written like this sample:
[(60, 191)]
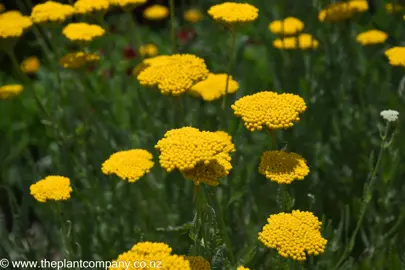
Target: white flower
[(390, 115)]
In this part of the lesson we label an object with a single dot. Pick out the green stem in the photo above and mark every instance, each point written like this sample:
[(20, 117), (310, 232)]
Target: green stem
[(136, 35), (368, 190), (229, 67), (273, 136), (65, 233), (172, 27)]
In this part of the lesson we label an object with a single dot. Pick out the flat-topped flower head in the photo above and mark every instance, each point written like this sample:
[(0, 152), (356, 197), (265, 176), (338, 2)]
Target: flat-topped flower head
[(242, 268), (156, 12), (175, 74), (77, 60), (82, 32), (390, 115), (91, 6), (396, 56), (213, 87), (198, 263), (151, 253), (234, 13), (371, 37), (51, 188), (283, 167), (269, 109), (295, 235), (51, 11), (288, 26), (342, 10), (148, 50), (10, 90), (193, 15), (201, 156), (302, 42), (13, 24), (127, 4), (129, 165), (30, 65), (394, 7)]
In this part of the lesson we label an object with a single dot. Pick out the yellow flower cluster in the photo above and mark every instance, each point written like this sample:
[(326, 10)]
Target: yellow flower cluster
[(13, 24), (77, 60), (51, 11), (53, 187), (175, 74), (10, 90), (371, 37), (201, 156), (156, 12), (30, 65), (396, 56), (148, 50), (242, 268), (129, 165), (394, 7), (269, 109), (193, 15), (198, 263), (283, 167), (82, 32), (127, 3), (302, 42), (150, 252), (294, 235), (213, 87), (342, 10), (91, 6), (233, 13), (288, 26)]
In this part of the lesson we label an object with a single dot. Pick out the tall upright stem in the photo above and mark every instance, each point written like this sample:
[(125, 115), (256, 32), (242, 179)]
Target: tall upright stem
[(229, 67), (136, 34), (172, 27)]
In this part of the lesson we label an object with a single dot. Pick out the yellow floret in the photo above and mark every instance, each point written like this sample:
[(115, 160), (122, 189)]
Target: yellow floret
[(288, 26), (78, 60), (193, 15), (283, 167), (91, 6), (156, 12), (13, 24), (51, 11), (302, 42), (396, 56), (242, 268), (148, 50), (213, 87), (10, 90), (295, 235), (30, 65), (371, 37), (269, 109), (127, 3), (198, 263), (56, 188), (82, 32), (342, 10), (129, 165), (173, 75), (231, 13)]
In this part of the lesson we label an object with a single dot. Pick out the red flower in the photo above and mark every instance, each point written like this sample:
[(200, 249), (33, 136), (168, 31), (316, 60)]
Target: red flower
[(129, 52), (186, 35)]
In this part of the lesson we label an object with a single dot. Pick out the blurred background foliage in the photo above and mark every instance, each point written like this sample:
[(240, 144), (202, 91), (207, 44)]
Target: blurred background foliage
[(103, 110)]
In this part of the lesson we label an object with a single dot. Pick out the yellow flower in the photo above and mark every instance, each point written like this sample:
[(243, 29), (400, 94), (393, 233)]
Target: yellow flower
[(213, 87), (127, 3), (156, 12), (30, 65), (288, 26), (78, 59), (283, 167), (371, 37), (198, 263), (13, 24), (394, 7), (193, 15), (53, 187), (154, 255), (175, 74), (129, 165), (201, 156), (242, 268), (51, 11), (269, 109), (302, 42), (294, 235), (233, 13), (91, 6), (342, 10), (148, 50), (82, 32), (2, 8), (10, 90), (396, 56)]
